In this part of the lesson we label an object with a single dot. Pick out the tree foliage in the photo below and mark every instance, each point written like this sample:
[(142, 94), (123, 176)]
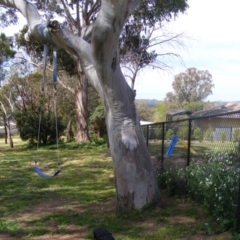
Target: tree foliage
[(160, 112), (6, 53), (28, 102), (138, 38), (7, 16), (151, 11), (190, 86), (194, 106), (144, 113)]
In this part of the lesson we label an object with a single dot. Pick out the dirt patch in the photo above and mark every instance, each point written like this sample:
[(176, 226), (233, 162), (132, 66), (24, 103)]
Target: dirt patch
[(181, 220), (48, 207), (74, 234), (42, 209), (7, 237), (222, 236)]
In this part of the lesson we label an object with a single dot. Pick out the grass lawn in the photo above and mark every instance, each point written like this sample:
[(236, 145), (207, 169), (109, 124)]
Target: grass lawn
[(81, 198)]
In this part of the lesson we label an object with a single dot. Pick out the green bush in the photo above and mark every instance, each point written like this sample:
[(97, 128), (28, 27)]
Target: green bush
[(28, 124), (236, 135), (169, 134), (209, 135), (158, 133), (197, 134), (183, 132), (172, 180), (214, 183), (223, 137)]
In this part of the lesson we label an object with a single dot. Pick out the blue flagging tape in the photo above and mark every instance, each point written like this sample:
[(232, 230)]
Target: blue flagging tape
[(54, 76)]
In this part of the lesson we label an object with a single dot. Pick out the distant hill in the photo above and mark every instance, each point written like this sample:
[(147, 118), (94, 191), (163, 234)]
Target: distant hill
[(150, 103)]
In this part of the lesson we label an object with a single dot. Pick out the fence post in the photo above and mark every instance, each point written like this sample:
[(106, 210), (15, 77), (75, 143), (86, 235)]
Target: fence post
[(238, 203), (162, 152), (147, 134), (163, 138), (189, 141)]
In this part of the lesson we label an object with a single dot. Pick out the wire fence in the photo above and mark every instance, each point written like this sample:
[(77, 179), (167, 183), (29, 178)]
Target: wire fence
[(185, 141), (195, 136)]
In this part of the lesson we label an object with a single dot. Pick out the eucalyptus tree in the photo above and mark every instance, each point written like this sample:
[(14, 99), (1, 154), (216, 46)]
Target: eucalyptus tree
[(147, 45), (145, 40), (193, 85), (96, 46), (6, 54)]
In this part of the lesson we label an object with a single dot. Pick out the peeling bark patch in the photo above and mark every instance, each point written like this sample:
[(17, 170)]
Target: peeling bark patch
[(129, 136)]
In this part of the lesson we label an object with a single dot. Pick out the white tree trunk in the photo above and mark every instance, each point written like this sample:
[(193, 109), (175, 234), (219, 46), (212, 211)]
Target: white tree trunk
[(135, 179)]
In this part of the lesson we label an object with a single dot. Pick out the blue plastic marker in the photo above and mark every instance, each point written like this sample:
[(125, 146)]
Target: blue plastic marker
[(172, 145)]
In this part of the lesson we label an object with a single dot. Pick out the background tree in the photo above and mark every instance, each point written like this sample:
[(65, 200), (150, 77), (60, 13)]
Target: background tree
[(6, 117), (144, 113), (97, 48), (194, 106), (67, 69), (145, 40), (160, 112), (28, 102), (8, 16), (6, 54), (190, 86), (147, 45)]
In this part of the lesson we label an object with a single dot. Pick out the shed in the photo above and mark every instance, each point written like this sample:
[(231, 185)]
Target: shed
[(221, 120)]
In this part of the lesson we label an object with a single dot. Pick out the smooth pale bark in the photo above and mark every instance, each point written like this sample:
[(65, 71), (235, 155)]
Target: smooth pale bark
[(7, 126), (135, 179)]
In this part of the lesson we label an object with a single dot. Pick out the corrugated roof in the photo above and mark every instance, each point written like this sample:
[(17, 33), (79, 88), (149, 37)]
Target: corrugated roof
[(179, 112), (227, 108)]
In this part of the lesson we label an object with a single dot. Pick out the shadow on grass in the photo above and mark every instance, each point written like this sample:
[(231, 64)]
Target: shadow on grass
[(80, 199)]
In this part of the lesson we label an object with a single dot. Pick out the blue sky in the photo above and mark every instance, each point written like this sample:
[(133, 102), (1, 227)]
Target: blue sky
[(213, 45)]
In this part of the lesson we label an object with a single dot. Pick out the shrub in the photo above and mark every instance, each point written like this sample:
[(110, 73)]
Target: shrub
[(158, 132), (173, 181), (197, 134), (169, 134), (28, 124), (183, 132), (223, 137), (214, 183), (209, 135), (236, 135)]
